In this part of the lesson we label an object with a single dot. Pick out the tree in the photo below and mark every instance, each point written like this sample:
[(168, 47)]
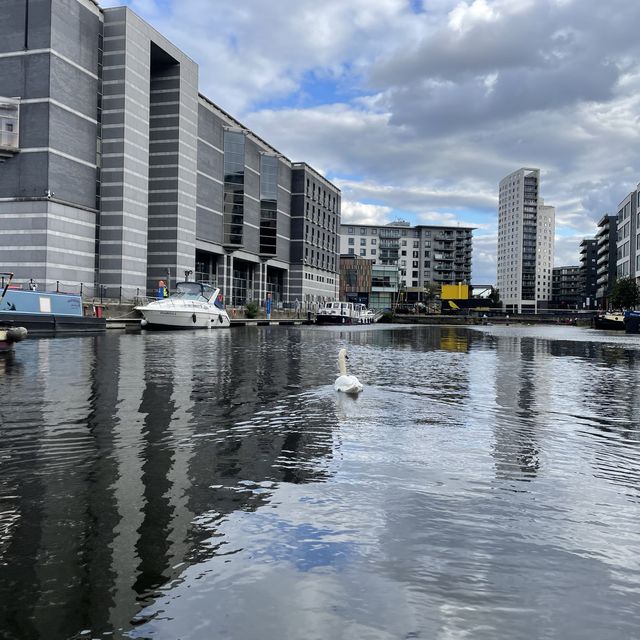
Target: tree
[(494, 296), (625, 294)]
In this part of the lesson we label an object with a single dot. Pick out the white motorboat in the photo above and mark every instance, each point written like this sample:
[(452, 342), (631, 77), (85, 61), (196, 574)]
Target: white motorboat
[(194, 305)]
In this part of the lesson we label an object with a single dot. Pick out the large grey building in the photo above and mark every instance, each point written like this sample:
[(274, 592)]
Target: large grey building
[(123, 174)]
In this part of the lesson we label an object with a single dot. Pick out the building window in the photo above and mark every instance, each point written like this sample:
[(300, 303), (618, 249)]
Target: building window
[(351, 240), (363, 231), (351, 251), (373, 252), (363, 252), (363, 242), (373, 241), (350, 230)]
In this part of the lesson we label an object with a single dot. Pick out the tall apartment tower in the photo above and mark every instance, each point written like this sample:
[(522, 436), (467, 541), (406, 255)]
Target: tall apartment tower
[(526, 229)]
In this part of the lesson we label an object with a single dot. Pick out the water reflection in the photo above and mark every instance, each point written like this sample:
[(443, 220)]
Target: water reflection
[(184, 485)]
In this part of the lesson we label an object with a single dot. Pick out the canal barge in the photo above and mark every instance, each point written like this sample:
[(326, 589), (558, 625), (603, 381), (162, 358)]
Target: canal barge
[(44, 312), (611, 320), (344, 313)]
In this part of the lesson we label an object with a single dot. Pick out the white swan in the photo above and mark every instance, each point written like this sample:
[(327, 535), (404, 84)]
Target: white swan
[(345, 383)]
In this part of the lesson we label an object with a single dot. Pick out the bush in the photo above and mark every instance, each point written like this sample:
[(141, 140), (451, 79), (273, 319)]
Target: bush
[(251, 309)]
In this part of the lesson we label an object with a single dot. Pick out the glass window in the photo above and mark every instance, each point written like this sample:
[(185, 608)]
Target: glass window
[(351, 251), (351, 240), (373, 241), (363, 252), (373, 252), (363, 242), (350, 230), (363, 231), (374, 232)]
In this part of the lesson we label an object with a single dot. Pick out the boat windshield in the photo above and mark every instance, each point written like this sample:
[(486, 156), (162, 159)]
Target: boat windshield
[(194, 291)]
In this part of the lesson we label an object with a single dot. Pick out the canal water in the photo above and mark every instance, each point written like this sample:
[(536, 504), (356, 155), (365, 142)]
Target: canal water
[(486, 484)]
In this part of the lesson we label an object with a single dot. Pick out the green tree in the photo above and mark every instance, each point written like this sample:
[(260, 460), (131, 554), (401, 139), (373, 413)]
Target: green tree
[(251, 309), (625, 294), (494, 296)]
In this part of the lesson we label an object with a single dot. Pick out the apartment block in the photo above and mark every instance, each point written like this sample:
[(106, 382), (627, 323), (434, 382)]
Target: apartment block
[(606, 258), (588, 273), (526, 228), (116, 172), (566, 287), (423, 254), (627, 227)]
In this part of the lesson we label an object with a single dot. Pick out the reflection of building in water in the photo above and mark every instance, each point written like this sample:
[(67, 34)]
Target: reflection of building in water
[(518, 385), (611, 414), (125, 464), (452, 339)]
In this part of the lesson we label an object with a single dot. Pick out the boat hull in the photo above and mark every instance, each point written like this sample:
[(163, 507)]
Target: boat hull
[(49, 323), (190, 320), (610, 322)]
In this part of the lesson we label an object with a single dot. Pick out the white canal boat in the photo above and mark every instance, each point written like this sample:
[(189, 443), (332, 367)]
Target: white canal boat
[(194, 305), (344, 313)]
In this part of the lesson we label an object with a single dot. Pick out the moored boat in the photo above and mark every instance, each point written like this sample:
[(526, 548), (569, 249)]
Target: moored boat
[(194, 305), (610, 320), (632, 321), (344, 313), (45, 312)]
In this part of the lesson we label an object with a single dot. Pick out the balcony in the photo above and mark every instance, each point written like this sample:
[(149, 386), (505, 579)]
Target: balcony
[(9, 127)]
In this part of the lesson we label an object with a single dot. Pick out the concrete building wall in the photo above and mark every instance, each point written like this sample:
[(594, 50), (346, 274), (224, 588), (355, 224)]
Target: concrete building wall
[(315, 224), (49, 60), (149, 147)]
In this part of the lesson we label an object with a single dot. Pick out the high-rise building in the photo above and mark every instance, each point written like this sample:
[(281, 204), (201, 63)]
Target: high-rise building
[(424, 254), (526, 228), (606, 239), (588, 273), (115, 172)]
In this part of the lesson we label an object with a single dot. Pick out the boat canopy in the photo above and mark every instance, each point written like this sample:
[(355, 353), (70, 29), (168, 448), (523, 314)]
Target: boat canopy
[(194, 291)]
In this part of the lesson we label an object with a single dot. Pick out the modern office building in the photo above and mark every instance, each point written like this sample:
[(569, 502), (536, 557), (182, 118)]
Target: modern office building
[(606, 258), (588, 273), (526, 228), (627, 257), (117, 173), (566, 288), (423, 254)]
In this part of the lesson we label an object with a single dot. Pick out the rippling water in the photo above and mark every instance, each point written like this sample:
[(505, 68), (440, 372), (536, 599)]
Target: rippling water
[(486, 484)]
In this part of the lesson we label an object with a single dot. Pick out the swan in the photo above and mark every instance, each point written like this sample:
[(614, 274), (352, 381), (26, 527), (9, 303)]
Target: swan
[(345, 383)]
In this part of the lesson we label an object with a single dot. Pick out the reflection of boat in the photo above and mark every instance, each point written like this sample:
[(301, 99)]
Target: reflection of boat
[(194, 305), (344, 313), (609, 320)]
